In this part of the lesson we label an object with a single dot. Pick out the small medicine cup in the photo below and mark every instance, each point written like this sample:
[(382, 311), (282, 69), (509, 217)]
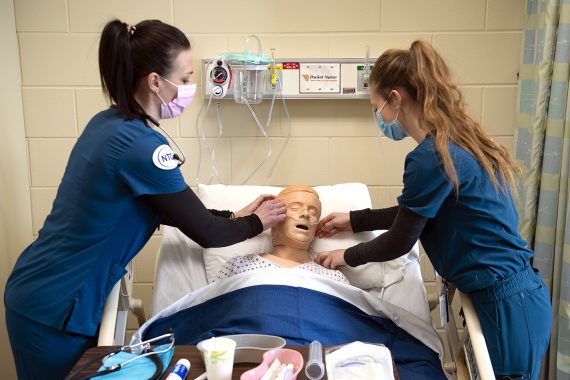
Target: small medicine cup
[(218, 355)]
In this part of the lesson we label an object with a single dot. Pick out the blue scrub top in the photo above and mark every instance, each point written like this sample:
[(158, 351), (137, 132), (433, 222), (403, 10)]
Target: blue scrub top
[(471, 238), (96, 226)]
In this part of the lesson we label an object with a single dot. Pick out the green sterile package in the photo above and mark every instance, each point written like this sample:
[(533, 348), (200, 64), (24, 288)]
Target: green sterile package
[(358, 360)]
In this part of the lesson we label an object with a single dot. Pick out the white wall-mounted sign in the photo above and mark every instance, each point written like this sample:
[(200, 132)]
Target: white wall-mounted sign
[(319, 78)]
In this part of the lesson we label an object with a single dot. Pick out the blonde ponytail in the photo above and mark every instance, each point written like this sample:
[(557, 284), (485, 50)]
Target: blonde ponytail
[(422, 72)]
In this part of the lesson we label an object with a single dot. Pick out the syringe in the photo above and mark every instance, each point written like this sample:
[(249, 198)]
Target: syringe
[(315, 368)]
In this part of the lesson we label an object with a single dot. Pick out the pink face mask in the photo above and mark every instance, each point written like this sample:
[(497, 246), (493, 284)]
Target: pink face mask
[(183, 98)]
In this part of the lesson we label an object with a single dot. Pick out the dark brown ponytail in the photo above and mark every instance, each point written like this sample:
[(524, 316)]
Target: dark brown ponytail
[(128, 53)]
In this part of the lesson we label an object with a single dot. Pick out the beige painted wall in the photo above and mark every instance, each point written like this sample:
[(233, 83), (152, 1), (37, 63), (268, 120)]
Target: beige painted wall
[(332, 141), (15, 215)]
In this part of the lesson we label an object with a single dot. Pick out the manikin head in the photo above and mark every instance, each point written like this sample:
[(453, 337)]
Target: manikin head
[(303, 214)]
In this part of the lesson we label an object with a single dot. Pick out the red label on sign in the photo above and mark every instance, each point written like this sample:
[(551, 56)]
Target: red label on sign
[(291, 65)]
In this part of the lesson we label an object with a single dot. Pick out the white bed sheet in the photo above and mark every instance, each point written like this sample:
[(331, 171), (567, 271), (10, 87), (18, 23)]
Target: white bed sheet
[(180, 266), (180, 270)]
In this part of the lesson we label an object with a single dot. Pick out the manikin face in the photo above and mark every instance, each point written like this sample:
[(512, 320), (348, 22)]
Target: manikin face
[(303, 213)]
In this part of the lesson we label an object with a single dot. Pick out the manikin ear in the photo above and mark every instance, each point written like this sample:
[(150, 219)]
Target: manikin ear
[(152, 81)]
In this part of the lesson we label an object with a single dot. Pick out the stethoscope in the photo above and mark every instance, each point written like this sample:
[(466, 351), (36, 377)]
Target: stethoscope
[(142, 350), (157, 124)]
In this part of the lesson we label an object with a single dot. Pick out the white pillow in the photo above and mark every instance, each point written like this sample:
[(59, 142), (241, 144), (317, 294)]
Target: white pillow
[(340, 197), (234, 198)]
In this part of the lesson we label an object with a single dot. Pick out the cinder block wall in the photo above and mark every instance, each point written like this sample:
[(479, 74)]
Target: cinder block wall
[(332, 141)]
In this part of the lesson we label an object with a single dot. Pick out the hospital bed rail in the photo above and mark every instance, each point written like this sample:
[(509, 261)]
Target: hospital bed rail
[(115, 312), (468, 355), (473, 341)]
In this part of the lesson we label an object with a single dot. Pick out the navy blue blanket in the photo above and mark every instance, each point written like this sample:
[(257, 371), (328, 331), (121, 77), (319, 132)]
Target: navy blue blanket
[(299, 315)]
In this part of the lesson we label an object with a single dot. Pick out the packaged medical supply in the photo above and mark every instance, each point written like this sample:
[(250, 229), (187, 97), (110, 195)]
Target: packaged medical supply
[(180, 370), (359, 360)]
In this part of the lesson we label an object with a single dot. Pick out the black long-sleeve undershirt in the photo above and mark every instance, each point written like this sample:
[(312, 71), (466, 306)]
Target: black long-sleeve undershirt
[(404, 229), (373, 219), (208, 228)]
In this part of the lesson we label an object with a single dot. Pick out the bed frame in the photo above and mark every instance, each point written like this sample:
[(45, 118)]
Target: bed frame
[(116, 310), (467, 356)]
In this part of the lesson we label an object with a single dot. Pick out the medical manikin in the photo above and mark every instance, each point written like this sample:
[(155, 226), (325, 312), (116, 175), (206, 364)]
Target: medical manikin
[(291, 238)]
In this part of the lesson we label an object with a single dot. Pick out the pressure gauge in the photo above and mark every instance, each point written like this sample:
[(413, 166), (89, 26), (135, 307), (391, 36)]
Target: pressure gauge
[(219, 75), (219, 78)]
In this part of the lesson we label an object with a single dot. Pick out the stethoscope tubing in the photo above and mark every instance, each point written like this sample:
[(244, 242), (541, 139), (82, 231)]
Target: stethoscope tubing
[(155, 359), (140, 347), (153, 121)]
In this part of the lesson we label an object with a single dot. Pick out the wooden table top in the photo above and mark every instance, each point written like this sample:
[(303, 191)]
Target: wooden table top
[(196, 363)]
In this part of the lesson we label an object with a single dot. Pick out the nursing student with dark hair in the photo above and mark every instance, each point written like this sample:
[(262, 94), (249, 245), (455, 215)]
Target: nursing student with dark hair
[(457, 200), (121, 181)]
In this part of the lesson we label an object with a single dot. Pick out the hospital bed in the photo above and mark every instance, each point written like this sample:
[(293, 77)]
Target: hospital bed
[(183, 267)]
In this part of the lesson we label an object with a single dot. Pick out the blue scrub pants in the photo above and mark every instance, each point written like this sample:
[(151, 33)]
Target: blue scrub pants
[(516, 318), (43, 352)]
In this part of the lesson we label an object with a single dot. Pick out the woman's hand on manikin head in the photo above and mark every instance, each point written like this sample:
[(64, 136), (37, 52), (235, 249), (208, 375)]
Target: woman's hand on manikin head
[(253, 206), (333, 224), (271, 212)]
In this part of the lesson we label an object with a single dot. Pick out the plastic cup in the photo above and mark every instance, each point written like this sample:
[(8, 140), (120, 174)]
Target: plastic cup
[(218, 354)]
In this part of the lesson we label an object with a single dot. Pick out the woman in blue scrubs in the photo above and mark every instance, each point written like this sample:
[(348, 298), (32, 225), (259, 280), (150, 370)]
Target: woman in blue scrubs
[(457, 199), (121, 182)]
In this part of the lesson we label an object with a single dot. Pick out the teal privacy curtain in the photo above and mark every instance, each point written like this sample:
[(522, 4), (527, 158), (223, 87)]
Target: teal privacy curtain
[(543, 151)]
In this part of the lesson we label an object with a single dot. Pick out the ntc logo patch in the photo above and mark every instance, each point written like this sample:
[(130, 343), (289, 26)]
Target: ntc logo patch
[(163, 158)]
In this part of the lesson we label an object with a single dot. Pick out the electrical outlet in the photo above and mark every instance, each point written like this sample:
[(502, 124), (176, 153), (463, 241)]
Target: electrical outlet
[(362, 78)]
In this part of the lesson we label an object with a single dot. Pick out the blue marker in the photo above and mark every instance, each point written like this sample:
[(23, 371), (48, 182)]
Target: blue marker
[(180, 370)]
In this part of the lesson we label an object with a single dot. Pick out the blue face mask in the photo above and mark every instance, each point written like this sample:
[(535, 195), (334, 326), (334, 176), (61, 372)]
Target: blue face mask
[(391, 130)]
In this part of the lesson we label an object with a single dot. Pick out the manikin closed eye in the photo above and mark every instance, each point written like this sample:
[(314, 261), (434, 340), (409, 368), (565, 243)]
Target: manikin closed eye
[(303, 212)]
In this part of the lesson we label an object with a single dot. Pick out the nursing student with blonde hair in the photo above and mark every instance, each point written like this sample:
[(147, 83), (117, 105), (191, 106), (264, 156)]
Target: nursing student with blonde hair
[(458, 200)]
